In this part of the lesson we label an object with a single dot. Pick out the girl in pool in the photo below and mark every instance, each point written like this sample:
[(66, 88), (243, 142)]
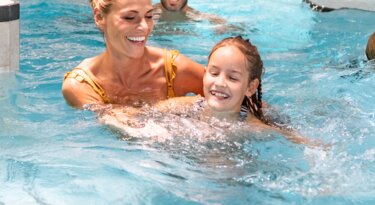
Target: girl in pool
[(233, 80), (232, 91), (128, 71)]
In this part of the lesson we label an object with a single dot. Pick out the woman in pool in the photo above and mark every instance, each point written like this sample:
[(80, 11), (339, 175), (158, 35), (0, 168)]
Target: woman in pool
[(232, 90), (128, 71)]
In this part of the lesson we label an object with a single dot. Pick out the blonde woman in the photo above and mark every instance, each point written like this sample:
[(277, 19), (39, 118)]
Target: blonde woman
[(128, 71)]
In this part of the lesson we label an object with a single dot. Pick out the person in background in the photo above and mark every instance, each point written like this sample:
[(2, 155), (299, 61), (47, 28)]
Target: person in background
[(179, 10), (127, 71), (174, 10), (370, 49)]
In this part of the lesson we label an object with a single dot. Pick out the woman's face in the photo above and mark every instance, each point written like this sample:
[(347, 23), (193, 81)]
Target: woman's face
[(127, 27), (173, 5), (226, 80)]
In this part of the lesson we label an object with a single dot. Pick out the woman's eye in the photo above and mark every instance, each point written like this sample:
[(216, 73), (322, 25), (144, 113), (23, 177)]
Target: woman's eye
[(129, 18), (149, 17)]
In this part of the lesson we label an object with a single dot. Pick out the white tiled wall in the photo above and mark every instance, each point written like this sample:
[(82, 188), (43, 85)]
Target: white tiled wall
[(9, 43), (14, 45), (4, 45)]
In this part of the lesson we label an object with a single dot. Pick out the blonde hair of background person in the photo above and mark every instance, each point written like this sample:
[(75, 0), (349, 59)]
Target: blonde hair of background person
[(370, 49), (128, 71)]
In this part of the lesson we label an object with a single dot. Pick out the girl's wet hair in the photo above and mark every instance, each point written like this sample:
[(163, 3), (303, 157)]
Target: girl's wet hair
[(101, 5), (255, 67), (370, 49)]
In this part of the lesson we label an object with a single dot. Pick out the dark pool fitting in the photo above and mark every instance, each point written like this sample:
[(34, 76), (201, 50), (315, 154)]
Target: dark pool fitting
[(9, 12)]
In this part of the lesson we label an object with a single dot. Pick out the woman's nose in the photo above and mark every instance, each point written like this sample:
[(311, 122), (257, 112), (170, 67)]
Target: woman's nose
[(143, 23)]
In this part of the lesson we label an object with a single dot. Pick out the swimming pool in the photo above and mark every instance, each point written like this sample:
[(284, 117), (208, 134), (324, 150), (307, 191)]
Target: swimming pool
[(315, 73)]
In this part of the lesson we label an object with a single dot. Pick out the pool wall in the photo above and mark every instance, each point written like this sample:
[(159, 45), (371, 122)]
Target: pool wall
[(9, 32)]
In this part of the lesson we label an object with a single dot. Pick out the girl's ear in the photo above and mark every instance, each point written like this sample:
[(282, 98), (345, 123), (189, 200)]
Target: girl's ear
[(252, 88), (99, 19)]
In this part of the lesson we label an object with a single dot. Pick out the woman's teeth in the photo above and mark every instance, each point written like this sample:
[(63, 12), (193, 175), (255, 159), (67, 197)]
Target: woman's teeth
[(137, 39)]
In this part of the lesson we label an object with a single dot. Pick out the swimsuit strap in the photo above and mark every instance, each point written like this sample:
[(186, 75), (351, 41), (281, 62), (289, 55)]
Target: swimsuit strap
[(199, 104), (82, 76), (170, 70)]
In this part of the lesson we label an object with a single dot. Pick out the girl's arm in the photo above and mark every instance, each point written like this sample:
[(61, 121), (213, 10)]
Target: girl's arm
[(290, 135)]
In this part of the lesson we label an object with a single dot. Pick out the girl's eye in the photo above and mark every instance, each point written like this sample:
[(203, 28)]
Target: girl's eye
[(233, 78), (214, 74), (149, 17)]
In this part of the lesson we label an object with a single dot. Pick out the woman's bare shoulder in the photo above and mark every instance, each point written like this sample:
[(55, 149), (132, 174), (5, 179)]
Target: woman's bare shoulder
[(74, 89), (155, 54), (155, 51), (78, 94), (88, 63)]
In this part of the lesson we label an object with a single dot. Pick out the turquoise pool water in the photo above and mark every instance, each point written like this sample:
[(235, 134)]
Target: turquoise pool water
[(315, 74)]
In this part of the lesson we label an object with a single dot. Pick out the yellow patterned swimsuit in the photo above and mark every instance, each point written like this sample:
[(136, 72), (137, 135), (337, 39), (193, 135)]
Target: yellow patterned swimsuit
[(170, 70)]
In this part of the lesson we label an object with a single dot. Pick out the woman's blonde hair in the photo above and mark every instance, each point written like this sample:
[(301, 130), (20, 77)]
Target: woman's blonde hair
[(103, 6)]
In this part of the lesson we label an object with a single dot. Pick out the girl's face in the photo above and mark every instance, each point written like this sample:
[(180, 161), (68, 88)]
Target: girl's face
[(226, 80), (127, 27)]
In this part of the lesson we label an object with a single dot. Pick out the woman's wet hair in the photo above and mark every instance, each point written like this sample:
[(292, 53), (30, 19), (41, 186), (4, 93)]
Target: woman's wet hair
[(370, 49), (101, 5), (255, 67)]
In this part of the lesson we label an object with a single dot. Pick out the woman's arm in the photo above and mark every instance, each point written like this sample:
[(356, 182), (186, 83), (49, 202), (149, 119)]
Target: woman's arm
[(189, 76), (119, 114), (179, 104), (78, 94)]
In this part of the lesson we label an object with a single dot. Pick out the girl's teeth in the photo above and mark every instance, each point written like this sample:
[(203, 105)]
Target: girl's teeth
[(220, 94)]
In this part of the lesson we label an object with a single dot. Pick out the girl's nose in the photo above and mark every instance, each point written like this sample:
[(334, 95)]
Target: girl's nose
[(220, 81)]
